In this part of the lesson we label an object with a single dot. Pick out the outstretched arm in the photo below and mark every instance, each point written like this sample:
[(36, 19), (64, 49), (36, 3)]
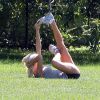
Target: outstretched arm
[(38, 50), (38, 40)]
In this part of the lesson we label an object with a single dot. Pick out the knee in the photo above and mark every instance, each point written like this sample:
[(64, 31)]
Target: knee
[(76, 69)]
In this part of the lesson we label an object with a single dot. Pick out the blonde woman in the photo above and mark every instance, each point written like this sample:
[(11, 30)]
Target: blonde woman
[(62, 60)]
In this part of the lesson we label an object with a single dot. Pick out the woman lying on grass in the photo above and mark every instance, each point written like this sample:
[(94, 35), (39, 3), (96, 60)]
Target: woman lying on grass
[(62, 61)]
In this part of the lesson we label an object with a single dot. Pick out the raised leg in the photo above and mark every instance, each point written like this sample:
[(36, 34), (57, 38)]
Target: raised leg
[(62, 60), (65, 56)]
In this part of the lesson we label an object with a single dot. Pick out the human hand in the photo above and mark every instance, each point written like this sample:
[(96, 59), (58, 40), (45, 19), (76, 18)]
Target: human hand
[(37, 26)]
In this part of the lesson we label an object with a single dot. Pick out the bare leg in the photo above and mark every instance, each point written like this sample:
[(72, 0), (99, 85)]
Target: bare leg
[(66, 67), (65, 56), (66, 63)]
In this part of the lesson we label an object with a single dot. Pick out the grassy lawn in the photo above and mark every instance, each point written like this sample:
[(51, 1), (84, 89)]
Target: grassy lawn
[(14, 85)]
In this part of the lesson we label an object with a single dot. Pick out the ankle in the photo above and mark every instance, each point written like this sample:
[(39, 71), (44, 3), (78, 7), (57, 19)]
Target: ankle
[(57, 52)]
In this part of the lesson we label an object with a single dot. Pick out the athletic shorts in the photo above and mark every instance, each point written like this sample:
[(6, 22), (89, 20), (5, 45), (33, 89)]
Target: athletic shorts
[(50, 73)]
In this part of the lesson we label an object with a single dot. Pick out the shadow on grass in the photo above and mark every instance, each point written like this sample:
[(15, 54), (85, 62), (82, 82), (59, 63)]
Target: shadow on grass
[(11, 55), (79, 57)]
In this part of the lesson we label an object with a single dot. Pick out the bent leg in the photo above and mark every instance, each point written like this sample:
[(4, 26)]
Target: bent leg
[(66, 67)]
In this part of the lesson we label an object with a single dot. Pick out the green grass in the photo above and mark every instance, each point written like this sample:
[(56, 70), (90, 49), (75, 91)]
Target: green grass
[(14, 85)]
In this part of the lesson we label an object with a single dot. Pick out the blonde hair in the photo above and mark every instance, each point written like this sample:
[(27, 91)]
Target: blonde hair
[(29, 59)]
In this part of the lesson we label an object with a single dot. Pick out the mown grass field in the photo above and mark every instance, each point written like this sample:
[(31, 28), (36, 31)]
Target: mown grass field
[(14, 84)]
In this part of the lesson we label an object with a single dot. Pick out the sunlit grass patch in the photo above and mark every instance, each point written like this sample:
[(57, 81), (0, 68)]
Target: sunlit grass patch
[(14, 85)]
